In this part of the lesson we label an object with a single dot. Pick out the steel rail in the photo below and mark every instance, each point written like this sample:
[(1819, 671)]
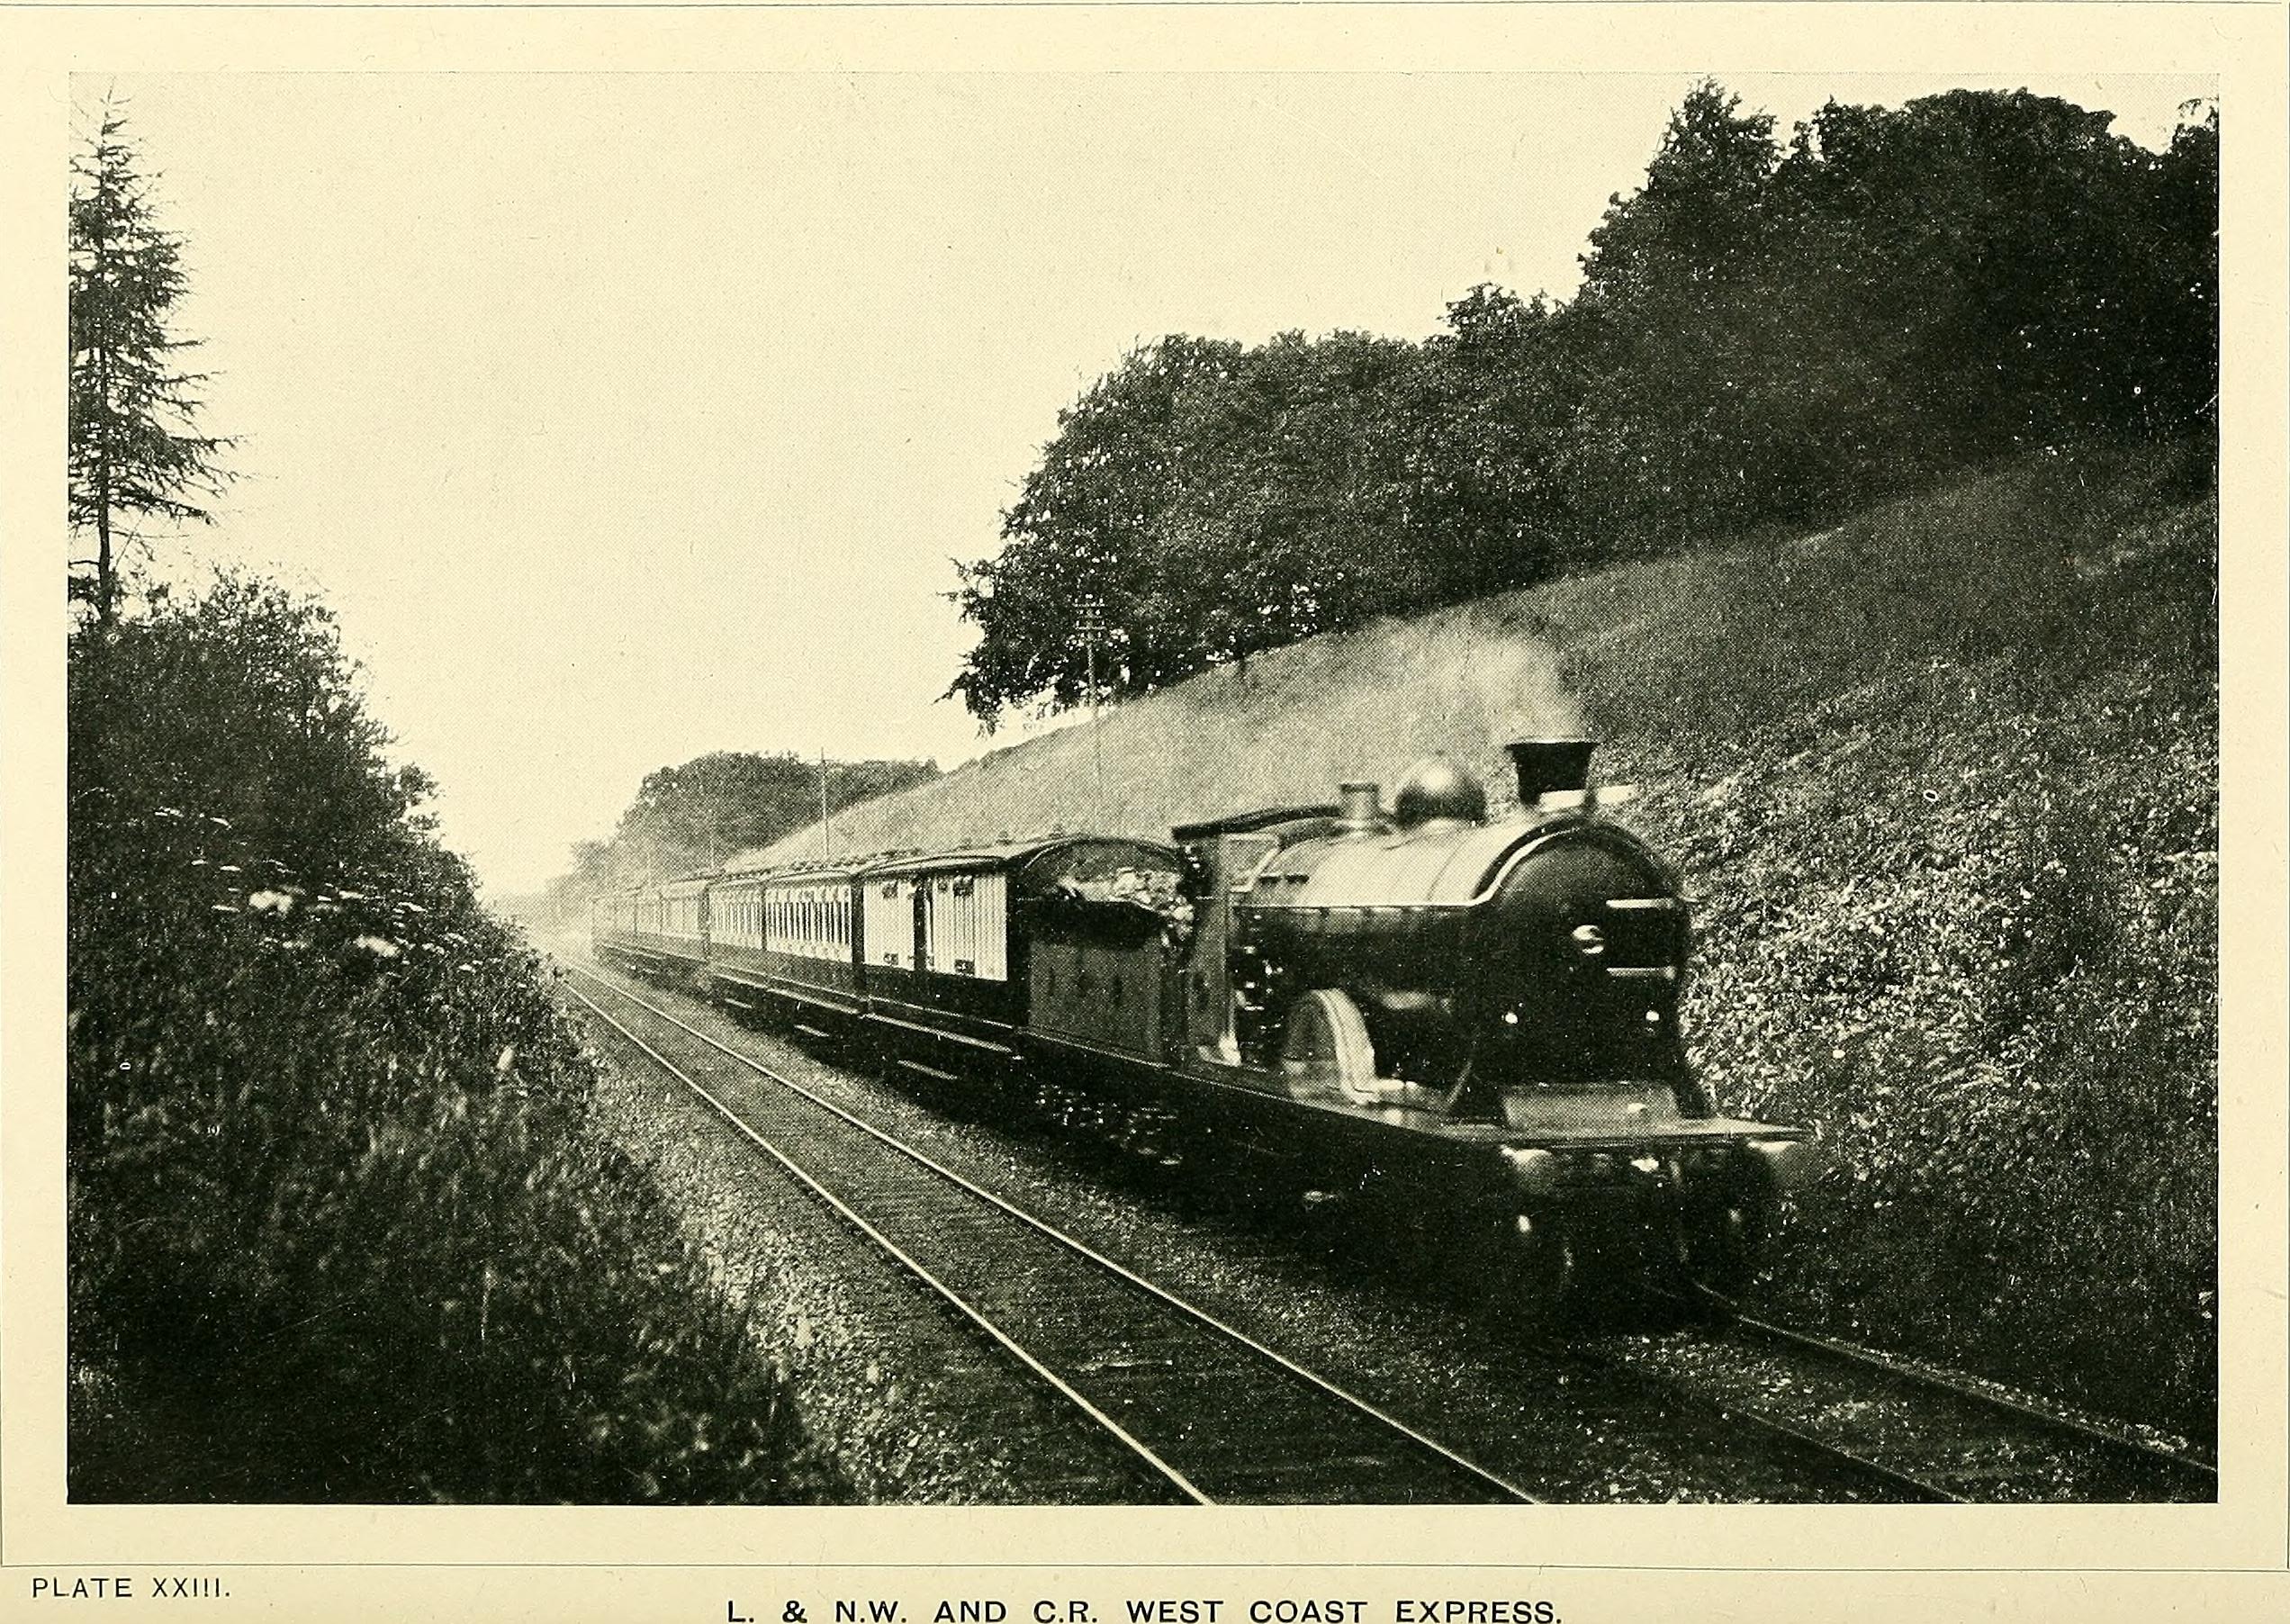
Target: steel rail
[(1915, 1375), (1188, 1309), (843, 1210), (1916, 1489)]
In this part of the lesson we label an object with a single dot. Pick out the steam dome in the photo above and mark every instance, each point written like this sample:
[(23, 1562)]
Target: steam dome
[(1436, 787)]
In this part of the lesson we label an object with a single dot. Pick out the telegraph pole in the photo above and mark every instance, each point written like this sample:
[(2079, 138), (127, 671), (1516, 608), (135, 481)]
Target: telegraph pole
[(1092, 625), (827, 826)]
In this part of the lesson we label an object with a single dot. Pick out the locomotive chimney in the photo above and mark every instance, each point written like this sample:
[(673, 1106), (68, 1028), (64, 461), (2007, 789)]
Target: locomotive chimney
[(1546, 764), (1355, 804)]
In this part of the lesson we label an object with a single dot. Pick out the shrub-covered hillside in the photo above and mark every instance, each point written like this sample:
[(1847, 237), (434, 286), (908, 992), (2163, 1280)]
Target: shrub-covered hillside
[(1943, 781), (340, 1228)]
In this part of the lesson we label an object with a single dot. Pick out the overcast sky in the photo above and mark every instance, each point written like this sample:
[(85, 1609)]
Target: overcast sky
[(622, 419)]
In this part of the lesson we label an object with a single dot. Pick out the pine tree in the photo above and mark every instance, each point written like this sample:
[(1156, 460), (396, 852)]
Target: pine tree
[(132, 414)]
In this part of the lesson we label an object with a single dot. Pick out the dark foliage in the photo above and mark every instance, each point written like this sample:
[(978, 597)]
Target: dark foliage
[(728, 801), (713, 807), (1946, 779), (338, 1227), (1764, 335)]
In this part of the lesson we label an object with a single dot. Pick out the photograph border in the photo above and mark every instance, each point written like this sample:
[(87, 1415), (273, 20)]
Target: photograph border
[(518, 1562)]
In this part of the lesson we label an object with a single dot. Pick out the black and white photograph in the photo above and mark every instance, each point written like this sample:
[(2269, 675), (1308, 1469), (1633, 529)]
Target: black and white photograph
[(1139, 786)]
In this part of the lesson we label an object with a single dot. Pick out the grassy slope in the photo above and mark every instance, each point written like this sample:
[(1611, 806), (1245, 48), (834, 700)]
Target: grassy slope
[(1943, 781)]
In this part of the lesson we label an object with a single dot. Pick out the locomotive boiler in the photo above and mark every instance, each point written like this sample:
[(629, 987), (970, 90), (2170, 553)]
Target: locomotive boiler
[(1518, 978), (1433, 951)]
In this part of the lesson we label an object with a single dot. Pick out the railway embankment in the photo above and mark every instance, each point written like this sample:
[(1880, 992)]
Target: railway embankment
[(343, 1223), (1943, 780)]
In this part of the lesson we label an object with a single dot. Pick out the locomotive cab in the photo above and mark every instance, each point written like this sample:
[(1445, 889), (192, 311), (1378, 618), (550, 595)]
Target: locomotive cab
[(1229, 1004)]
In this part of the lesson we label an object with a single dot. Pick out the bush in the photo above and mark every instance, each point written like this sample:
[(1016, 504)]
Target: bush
[(339, 1228), (1946, 779)]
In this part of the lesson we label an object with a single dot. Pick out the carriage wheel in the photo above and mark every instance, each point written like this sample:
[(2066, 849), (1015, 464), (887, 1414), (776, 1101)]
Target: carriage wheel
[(1325, 1049)]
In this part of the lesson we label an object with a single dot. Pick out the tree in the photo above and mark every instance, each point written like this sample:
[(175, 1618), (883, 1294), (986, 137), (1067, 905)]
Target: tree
[(697, 814), (1498, 395), (1664, 446), (1701, 214), (1092, 521), (133, 448), (2181, 300), (1217, 500), (1971, 275), (239, 705)]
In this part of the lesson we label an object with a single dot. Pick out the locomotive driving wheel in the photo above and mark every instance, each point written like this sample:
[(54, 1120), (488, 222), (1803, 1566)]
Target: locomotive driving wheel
[(1325, 1051)]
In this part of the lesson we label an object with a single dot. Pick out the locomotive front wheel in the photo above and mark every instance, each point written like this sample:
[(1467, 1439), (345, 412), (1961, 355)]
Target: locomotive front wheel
[(1541, 1276), (1723, 1242), (1325, 1051)]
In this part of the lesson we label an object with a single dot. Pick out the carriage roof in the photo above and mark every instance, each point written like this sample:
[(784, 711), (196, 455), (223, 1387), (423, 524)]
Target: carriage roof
[(1010, 857)]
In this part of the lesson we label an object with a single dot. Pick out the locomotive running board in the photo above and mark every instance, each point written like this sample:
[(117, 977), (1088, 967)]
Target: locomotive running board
[(931, 1072)]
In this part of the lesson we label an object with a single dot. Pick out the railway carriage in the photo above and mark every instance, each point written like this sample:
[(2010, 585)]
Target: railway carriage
[(790, 933), (661, 928), (681, 932), (612, 925)]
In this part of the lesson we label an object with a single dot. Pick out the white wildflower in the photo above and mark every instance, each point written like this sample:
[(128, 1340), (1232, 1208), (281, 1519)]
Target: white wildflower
[(381, 947)]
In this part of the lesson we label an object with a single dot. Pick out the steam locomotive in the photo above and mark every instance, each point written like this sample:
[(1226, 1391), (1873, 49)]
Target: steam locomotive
[(1476, 1017)]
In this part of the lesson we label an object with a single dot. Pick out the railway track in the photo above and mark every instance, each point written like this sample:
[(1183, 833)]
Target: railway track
[(1210, 1414), (1122, 1349), (1959, 1438)]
